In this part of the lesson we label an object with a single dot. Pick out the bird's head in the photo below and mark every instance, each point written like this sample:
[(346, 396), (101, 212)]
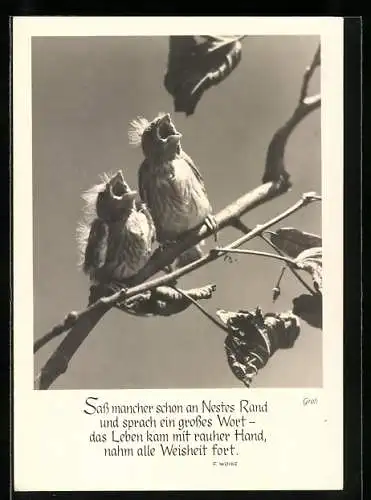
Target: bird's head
[(115, 199), (159, 138)]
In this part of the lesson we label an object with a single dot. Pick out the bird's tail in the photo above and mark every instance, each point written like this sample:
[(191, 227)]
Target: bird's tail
[(190, 255)]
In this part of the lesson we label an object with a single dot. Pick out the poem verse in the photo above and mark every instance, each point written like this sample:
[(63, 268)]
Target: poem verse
[(204, 428)]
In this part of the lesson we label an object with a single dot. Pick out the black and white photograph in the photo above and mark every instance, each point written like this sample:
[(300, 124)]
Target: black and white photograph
[(177, 293), (140, 146)]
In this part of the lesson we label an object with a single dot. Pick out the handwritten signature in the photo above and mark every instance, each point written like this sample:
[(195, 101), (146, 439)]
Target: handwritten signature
[(310, 401)]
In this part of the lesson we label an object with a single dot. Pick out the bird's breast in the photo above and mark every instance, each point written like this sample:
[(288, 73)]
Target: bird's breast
[(129, 246), (179, 201)]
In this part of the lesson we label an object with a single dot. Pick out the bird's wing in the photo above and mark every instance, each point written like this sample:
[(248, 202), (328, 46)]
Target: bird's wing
[(142, 207), (143, 178), (96, 248), (195, 170), (146, 193)]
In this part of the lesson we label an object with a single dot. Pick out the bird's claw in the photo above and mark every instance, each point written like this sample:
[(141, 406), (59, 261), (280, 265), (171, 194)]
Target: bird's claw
[(212, 224), (168, 269), (116, 286)]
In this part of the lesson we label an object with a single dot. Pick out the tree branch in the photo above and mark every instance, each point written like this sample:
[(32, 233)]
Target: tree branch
[(204, 312), (286, 260), (308, 75), (239, 225), (275, 183), (275, 165)]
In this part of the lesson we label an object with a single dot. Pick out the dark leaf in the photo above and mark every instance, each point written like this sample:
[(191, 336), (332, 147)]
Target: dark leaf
[(254, 338), (292, 241), (96, 248), (194, 67), (309, 308), (164, 301)]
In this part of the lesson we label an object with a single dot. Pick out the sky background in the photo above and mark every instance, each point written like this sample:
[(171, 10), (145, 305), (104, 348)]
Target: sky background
[(85, 91)]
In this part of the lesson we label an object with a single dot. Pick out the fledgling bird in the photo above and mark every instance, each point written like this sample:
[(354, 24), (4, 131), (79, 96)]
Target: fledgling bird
[(116, 238), (169, 183)]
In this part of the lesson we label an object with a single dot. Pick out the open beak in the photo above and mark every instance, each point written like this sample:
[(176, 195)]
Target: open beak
[(119, 189), (130, 195), (166, 131)]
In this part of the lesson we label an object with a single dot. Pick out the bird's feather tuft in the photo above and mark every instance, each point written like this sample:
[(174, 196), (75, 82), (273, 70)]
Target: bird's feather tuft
[(90, 196), (160, 114), (89, 214), (82, 237), (136, 129)]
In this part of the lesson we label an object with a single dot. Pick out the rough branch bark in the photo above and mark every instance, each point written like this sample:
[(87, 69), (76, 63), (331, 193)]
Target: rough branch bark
[(275, 182)]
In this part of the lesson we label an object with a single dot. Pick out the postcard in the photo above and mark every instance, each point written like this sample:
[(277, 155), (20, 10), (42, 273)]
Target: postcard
[(178, 258)]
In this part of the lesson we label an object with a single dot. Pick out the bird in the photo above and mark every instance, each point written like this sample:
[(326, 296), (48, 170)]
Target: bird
[(117, 234), (170, 184)]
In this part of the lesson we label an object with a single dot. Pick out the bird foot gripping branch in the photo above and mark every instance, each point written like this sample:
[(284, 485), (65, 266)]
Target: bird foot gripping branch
[(213, 226)]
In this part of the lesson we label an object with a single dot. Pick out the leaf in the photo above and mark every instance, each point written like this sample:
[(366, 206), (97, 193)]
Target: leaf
[(164, 301), (311, 261), (254, 338), (309, 308), (292, 241), (194, 67)]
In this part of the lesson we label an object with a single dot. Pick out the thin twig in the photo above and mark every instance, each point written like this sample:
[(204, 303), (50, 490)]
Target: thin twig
[(223, 250), (202, 309), (280, 276), (238, 224), (308, 75), (288, 260), (304, 201)]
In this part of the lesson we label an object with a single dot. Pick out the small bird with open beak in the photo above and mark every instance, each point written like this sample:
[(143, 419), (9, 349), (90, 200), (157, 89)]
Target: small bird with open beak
[(170, 184), (117, 235)]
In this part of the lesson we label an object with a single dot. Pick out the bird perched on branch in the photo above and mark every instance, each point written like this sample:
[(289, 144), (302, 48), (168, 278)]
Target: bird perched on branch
[(169, 183), (117, 235)]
